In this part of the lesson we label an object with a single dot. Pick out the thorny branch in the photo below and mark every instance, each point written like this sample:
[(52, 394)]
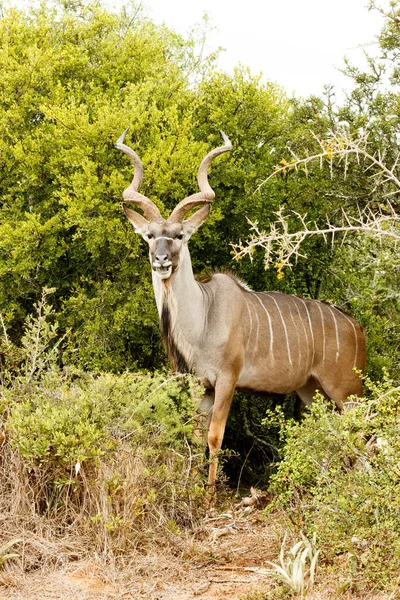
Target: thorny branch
[(340, 146), (282, 244)]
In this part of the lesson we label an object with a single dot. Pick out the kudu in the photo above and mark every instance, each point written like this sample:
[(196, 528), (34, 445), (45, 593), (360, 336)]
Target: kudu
[(229, 336)]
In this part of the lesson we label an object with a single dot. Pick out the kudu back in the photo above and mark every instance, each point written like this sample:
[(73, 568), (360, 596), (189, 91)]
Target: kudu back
[(229, 336)]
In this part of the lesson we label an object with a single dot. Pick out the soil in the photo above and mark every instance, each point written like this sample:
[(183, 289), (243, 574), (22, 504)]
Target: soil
[(225, 559)]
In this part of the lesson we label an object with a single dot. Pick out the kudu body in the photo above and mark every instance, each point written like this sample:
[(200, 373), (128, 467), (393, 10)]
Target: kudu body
[(234, 338)]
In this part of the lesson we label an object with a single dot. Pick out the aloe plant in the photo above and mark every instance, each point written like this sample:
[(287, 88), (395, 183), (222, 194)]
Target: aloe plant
[(297, 569), (3, 551)]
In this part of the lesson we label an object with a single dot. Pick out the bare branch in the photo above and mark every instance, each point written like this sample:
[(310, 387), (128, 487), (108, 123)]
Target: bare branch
[(282, 245), (339, 146), (4, 329)]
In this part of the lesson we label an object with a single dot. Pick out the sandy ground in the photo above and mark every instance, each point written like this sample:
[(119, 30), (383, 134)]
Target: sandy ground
[(224, 560)]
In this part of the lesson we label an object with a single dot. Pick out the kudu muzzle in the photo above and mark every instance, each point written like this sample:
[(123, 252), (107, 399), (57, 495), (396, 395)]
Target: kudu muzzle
[(160, 260)]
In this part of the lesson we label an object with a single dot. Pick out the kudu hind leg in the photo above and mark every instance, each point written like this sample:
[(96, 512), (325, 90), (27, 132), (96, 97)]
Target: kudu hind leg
[(340, 388), (308, 391), (334, 385)]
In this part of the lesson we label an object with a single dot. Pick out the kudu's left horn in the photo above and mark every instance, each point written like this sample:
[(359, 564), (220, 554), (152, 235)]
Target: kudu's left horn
[(206, 194)]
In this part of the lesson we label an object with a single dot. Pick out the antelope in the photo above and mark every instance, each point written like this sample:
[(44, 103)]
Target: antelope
[(230, 336)]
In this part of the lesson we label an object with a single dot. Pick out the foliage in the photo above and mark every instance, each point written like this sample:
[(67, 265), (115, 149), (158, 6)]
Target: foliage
[(365, 265), (367, 270), (339, 479), (283, 244), (359, 154), (72, 79), (66, 96), (106, 452)]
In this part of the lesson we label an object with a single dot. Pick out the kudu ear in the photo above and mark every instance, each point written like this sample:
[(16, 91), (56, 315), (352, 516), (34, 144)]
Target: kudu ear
[(138, 221), (194, 221)]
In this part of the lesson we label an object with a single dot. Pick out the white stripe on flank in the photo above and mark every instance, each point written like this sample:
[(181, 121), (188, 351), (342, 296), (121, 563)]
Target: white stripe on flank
[(258, 324), (305, 331), (297, 335), (284, 327), (323, 331), (271, 334), (205, 305), (311, 330), (355, 336), (251, 322), (337, 333)]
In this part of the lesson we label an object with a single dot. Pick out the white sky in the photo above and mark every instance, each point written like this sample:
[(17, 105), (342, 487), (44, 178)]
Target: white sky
[(299, 44)]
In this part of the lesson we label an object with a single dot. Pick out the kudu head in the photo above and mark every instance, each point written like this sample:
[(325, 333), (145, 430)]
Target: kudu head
[(167, 237)]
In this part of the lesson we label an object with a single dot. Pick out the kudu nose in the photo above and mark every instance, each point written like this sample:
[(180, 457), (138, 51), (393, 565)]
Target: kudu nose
[(161, 258)]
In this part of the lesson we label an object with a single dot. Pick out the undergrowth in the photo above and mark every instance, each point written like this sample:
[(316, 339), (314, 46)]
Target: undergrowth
[(339, 478), (97, 458)]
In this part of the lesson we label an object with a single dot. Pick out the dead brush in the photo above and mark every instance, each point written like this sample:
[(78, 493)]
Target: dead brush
[(123, 503), (138, 497), (92, 463)]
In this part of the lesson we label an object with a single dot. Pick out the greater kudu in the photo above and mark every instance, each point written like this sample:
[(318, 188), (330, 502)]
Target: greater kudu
[(230, 336)]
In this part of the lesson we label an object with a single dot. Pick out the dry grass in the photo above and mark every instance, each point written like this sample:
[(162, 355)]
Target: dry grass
[(194, 564), (113, 508), (164, 548), (136, 527), (203, 564)]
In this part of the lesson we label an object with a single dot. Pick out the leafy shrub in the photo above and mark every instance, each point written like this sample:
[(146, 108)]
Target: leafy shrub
[(108, 453), (86, 415), (340, 478)]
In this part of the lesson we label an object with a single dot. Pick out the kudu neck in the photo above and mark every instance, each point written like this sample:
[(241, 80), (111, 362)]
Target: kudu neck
[(181, 288)]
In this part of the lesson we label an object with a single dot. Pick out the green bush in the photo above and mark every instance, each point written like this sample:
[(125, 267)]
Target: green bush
[(85, 415), (340, 478), (109, 453)]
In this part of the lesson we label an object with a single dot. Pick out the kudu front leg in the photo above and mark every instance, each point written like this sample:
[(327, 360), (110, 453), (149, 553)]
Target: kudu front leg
[(203, 417), (224, 388)]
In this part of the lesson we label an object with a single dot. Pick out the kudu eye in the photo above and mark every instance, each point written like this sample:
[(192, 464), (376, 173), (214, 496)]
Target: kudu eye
[(180, 236), (150, 236)]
